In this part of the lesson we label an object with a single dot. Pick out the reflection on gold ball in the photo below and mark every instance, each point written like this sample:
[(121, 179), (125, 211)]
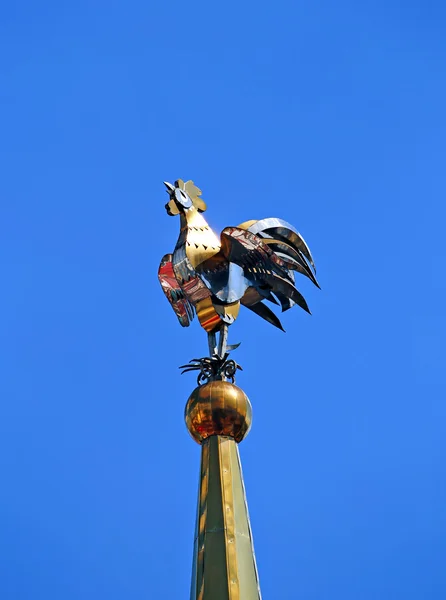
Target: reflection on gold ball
[(218, 408)]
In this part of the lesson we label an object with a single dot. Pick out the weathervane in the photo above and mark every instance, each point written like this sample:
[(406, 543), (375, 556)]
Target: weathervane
[(211, 277)]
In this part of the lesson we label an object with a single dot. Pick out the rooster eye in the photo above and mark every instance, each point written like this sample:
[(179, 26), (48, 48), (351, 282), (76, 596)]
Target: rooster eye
[(183, 198)]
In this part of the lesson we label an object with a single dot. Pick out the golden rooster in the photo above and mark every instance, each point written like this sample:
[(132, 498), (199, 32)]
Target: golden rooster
[(248, 264)]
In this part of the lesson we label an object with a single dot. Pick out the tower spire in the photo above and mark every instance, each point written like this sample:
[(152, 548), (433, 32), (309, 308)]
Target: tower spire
[(218, 416)]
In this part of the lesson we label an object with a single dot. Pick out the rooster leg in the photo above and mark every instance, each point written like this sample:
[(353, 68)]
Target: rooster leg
[(223, 340), (212, 341)]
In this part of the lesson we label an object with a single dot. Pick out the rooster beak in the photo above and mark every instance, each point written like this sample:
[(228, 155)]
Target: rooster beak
[(169, 187)]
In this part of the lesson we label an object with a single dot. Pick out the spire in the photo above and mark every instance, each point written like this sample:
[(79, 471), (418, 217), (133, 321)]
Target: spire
[(218, 416)]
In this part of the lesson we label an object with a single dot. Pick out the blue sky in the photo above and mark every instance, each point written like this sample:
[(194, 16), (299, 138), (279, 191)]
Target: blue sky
[(330, 115)]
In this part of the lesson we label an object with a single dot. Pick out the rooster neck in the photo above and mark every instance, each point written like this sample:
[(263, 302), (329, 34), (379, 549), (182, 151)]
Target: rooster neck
[(200, 241)]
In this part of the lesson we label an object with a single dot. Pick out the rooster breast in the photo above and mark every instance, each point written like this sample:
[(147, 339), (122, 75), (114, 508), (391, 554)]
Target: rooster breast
[(201, 242)]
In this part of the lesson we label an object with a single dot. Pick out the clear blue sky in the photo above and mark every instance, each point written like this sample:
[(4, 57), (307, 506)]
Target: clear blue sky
[(331, 115)]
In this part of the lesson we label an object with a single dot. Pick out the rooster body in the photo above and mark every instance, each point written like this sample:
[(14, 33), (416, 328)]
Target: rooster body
[(249, 264)]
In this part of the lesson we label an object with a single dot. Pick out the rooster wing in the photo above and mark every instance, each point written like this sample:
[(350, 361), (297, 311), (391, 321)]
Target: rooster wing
[(171, 288)]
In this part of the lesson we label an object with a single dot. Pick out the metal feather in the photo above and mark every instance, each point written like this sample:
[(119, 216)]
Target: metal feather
[(266, 313)]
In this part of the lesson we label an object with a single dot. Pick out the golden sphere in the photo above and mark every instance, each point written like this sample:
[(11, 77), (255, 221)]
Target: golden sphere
[(218, 408)]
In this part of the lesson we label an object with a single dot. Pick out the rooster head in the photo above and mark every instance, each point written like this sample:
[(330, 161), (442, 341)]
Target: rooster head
[(183, 197)]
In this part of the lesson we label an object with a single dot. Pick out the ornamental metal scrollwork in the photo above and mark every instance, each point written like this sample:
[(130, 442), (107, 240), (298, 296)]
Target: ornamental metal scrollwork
[(213, 368)]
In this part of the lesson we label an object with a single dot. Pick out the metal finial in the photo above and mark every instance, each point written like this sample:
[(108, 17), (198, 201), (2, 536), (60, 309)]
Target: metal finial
[(212, 276)]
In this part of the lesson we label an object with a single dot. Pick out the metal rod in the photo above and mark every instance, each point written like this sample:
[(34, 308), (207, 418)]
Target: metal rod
[(212, 341), (222, 342)]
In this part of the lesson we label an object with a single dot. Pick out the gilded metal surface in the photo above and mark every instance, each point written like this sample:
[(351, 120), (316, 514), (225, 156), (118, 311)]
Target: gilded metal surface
[(215, 275), (201, 241), (201, 521), (224, 560), (218, 408), (229, 518), (207, 315)]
